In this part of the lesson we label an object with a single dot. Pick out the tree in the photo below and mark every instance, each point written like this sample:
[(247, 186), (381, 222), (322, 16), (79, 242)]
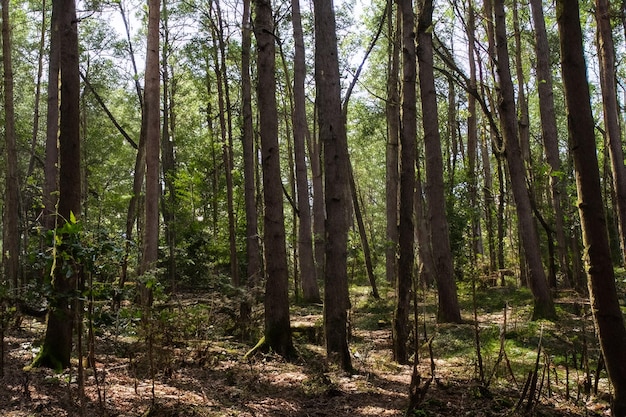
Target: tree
[(277, 325), (10, 238), (310, 290), (57, 346), (543, 304), (408, 137), (549, 133), (606, 54), (605, 307), (332, 134), (448, 309), (392, 113), (151, 123)]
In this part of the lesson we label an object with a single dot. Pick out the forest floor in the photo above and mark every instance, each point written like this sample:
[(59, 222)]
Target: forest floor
[(191, 373)]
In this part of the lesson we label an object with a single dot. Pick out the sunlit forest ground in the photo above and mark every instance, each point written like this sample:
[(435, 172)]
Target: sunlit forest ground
[(189, 361)]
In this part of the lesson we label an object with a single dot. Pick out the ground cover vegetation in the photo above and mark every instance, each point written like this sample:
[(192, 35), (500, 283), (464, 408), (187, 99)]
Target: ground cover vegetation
[(292, 208)]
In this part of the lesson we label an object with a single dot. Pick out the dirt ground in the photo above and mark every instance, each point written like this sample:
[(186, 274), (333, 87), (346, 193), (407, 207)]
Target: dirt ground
[(209, 377)]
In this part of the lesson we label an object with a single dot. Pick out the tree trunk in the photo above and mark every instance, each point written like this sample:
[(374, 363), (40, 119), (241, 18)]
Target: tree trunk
[(448, 309), (606, 54), (472, 142), (253, 251), (224, 107), (167, 154), (332, 133), (11, 237), (605, 306), (543, 304), (308, 276), (392, 113), (549, 134), (408, 137), (57, 346), (152, 124), (51, 168), (277, 326)]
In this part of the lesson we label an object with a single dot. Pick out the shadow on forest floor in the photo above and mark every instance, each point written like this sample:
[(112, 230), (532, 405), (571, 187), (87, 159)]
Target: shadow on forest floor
[(199, 377)]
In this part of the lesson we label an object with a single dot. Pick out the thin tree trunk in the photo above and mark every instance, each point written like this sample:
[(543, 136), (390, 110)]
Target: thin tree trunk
[(226, 136), (36, 116), (543, 304), (308, 276), (11, 237), (448, 309), (549, 134), (253, 251), (167, 154), (408, 137), (606, 54), (472, 141), (277, 326), (51, 168), (392, 113), (605, 307)]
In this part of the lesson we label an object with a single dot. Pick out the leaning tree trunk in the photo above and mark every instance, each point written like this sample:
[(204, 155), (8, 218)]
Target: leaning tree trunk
[(449, 310), (277, 326), (332, 133), (543, 304), (605, 306)]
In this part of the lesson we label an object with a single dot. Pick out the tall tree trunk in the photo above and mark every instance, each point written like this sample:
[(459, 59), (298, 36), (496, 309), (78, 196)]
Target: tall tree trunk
[(606, 54), (392, 114), (223, 94), (253, 250), (36, 115), (549, 134), (167, 153), (152, 125), (51, 166), (472, 141), (448, 309), (319, 210), (408, 137), (543, 304), (605, 306), (57, 346), (277, 326), (11, 237), (332, 133), (308, 276)]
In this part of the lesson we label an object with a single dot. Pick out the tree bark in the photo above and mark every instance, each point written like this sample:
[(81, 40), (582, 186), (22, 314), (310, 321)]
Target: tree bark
[(11, 237), (57, 346), (332, 133), (392, 114), (605, 306), (308, 276), (408, 137), (448, 309), (277, 326), (606, 54), (152, 125), (543, 304), (549, 134)]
